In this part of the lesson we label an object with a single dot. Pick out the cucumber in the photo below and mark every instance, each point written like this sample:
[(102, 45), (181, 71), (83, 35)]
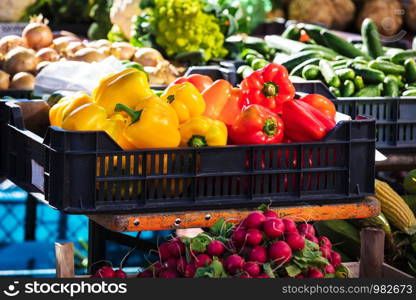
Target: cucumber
[(321, 49), (369, 75), (410, 86), (335, 91), (401, 57), (292, 32), (297, 71), (340, 45), (259, 63), (345, 74), (341, 67), (250, 58), (257, 44), (284, 45), (331, 78), (409, 93), (338, 63), (314, 32), (371, 39), (369, 91), (244, 71), (391, 88), (383, 58), (390, 52), (359, 83), (410, 66), (296, 59), (348, 88), (387, 67), (311, 72), (398, 78), (247, 52)]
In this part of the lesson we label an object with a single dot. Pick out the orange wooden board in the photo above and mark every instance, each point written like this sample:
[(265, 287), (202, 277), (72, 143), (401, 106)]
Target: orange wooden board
[(194, 219)]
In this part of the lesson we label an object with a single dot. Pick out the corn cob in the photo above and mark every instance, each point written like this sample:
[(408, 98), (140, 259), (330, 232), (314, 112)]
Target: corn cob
[(395, 208)]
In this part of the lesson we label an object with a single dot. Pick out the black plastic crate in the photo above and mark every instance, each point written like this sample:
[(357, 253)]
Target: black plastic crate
[(87, 173), (395, 117), (17, 94)]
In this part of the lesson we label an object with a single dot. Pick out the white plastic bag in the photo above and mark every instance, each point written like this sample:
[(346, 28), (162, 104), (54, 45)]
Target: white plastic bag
[(74, 75)]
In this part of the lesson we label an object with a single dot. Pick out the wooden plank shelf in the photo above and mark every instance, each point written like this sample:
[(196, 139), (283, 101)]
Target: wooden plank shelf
[(195, 219)]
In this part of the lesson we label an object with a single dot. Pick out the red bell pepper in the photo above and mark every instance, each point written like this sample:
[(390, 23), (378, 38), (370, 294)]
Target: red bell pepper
[(321, 103), (201, 82), (257, 125), (304, 123), (269, 87)]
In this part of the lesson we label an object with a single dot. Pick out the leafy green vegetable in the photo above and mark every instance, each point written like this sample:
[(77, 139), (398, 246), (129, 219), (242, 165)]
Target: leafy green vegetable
[(214, 270)]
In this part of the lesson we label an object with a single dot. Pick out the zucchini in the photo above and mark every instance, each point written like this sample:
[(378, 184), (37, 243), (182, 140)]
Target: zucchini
[(371, 39), (401, 57), (314, 32), (284, 45), (369, 91), (345, 74), (369, 75), (297, 71), (348, 88), (331, 78), (359, 83), (296, 59), (387, 67), (409, 93), (340, 45), (391, 88), (311, 72), (292, 32), (410, 66), (257, 44)]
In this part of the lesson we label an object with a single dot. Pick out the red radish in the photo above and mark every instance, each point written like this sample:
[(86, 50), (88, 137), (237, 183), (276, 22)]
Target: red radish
[(324, 241), (202, 260), (169, 273), (329, 269), (145, 274), (326, 252), (254, 220), (157, 266), (315, 273), (290, 225), (215, 248), (105, 272), (295, 241), (190, 271), (252, 268), (176, 248), (312, 238), (164, 252), (280, 252), (254, 237), (171, 263), (234, 263), (306, 228), (245, 275), (300, 276), (274, 228), (181, 264), (263, 276), (258, 254), (269, 214), (335, 259), (120, 274), (239, 236)]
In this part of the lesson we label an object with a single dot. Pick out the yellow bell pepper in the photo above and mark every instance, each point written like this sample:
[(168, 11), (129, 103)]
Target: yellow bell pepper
[(65, 106), (202, 132), (186, 100), (92, 117), (154, 124), (128, 87)]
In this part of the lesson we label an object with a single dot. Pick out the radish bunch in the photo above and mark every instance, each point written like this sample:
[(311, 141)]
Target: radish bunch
[(260, 246), (109, 272)]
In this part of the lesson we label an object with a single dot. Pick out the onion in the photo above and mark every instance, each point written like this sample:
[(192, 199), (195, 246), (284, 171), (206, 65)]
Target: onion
[(123, 50), (105, 51), (47, 54), (89, 55), (73, 47), (99, 43), (10, 42), (4, 80), (148, 57), (37, 33), (60, 44), (42, 65), (23, 81), (20, 60)]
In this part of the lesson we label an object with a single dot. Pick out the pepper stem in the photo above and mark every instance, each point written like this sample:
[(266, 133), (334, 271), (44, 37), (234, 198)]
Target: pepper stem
[(134, 114), (270, 89), (270, 127), (171, 98), (197, 141)]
